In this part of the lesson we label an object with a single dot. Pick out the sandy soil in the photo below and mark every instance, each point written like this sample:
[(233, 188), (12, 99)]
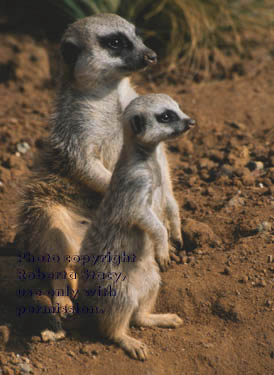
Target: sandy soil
[(223, 173)]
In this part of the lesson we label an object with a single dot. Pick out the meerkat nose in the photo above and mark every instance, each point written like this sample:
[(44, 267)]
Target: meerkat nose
[(188, 123), (191, 122), (150, 57)]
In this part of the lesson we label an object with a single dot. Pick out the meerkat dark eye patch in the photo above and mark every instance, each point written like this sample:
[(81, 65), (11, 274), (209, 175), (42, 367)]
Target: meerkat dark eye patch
[(115, 42), (138, 124), (70, 52), (167, 117)]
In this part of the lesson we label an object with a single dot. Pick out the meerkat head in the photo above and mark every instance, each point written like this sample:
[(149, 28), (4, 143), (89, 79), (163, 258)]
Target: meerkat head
[(102, 49), (151, 119)]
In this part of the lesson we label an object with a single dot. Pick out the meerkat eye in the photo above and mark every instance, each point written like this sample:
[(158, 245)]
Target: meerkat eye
[(115, 43), (167, 116)]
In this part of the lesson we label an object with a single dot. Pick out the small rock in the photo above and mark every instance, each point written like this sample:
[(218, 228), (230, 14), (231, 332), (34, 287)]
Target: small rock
[(22, 147), (268, 303), (226, 170), (247, 179), (261, 185), (206, 163), (261, 283), (190, 260), (26, 368), (216, 155), (269, 258), (38, 365), (88, 350), (71, 354), (236, 201), (52, 336), (255, 165), (184, 259), (237, 125), (209, 191), (227, 271), (244, 279), (265, 226)]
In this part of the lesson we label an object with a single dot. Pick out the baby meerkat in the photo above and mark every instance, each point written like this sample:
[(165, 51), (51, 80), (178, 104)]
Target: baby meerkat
[(126, 223), (86, 137)]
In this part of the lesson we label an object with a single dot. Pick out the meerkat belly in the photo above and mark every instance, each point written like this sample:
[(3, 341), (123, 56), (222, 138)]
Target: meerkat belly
[(143, 279)]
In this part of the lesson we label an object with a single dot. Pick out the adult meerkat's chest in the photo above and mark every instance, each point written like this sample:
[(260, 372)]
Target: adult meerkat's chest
[(109, 131)]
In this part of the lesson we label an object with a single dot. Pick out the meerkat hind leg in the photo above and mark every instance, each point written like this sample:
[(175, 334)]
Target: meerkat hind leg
[(144, 318), (134, 348)]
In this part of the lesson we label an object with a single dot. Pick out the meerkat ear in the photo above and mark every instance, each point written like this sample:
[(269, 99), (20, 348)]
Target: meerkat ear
[(138, 124), (70, 52)]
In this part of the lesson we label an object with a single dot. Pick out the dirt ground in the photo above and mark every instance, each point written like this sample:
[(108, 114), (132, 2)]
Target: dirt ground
[(223, 173)]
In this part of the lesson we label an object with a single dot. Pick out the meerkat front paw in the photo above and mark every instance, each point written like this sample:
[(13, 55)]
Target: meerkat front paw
[(163, 262), (177, 243)]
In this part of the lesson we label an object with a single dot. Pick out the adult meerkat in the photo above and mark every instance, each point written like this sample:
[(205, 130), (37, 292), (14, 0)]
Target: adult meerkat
[(75, 169), (126, 222)]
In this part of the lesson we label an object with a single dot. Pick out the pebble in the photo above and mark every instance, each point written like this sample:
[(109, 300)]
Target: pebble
[(26, 368), (227, 271), (244, 279), (237, 125), (255, 165), (269, 258), (71, 354), (265, 226), (236, 201), (261, 283), (22, 147), (52, 336)]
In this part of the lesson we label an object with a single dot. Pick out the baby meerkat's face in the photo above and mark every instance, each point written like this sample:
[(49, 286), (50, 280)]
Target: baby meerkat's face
[(104, 48), (156, 117)]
